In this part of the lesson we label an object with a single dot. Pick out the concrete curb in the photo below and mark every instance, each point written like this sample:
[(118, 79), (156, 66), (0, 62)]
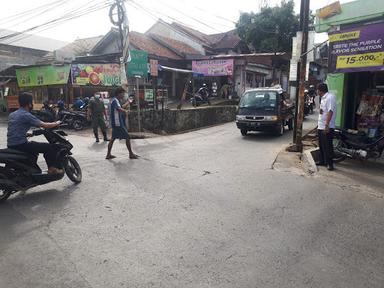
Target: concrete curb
[(308, 161)]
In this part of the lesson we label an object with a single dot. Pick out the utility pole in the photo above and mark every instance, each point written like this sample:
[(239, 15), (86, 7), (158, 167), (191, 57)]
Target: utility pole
[(119, 18), (302, 68)]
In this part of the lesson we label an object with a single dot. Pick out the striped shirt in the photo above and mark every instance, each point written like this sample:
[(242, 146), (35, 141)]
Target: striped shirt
[(117, 117)]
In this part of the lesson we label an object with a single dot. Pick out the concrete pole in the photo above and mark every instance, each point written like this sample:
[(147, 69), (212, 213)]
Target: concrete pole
[(304, 23), (138, 103)]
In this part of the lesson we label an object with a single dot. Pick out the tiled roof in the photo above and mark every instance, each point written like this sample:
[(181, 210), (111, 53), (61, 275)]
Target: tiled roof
[(176, 46), (199, 36), (225, 40), (150, 45)]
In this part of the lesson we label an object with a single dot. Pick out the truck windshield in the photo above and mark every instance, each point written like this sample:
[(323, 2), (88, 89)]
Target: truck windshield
[(259, 99)]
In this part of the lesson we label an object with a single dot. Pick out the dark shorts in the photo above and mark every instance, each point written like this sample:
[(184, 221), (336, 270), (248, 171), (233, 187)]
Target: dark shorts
[(120, 133)]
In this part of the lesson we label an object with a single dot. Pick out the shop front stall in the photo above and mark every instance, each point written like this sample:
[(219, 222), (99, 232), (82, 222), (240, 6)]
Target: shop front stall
[(46, 83), (356, 66)]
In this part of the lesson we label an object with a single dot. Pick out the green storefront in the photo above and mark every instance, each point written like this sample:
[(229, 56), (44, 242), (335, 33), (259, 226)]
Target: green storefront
[(356, 62), (46, 82)]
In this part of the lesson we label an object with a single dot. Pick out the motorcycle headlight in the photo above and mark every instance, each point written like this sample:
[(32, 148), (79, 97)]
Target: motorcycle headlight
[(240, 117), (271, 118)]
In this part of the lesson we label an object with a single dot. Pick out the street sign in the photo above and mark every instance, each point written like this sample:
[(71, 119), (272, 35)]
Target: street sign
[(148, 95), (137, 66)]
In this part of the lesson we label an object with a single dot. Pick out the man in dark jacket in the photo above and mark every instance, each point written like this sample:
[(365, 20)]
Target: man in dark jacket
[(96, 111)]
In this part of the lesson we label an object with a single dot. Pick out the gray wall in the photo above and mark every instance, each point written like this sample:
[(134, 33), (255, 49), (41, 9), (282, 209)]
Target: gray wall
[(176, 121)]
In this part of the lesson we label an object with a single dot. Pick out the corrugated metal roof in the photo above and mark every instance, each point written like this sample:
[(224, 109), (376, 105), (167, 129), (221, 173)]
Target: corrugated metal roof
[(31, 41)]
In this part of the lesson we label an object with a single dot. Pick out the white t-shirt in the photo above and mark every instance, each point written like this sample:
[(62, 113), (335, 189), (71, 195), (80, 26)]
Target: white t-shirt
[(328, 103)]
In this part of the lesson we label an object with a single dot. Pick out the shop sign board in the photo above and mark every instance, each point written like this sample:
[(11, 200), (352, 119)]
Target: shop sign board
[(148, 95), (138, 64), (221, 67), (153, 67), (96, 74), (42, 75), (357, 49), (330, 10)]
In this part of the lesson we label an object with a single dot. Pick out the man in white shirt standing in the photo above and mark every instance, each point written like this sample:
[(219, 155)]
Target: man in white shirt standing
[(326, 125)]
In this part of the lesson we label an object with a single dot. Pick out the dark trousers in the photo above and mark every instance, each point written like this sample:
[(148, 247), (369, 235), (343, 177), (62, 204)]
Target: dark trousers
[(98, 121), (34, 148), (326, 146)]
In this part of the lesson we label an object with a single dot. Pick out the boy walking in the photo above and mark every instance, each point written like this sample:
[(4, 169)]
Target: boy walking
[(119, 128)]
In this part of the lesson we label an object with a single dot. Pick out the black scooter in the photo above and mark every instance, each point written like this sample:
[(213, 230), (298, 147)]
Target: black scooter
[(19, 171), (356, 146)]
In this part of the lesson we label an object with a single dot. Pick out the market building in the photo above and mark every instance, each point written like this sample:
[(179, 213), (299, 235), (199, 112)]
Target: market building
[(356, 62)]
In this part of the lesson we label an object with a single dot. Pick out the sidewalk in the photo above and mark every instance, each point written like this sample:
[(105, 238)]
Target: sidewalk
[(360, 176)]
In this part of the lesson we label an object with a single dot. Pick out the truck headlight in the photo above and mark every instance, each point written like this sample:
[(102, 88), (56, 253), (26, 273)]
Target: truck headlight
[(270, 118), (240, 117)]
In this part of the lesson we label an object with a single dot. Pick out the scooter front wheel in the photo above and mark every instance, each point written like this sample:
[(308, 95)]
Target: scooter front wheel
[(72, 169), (338, 156), (5, 191)]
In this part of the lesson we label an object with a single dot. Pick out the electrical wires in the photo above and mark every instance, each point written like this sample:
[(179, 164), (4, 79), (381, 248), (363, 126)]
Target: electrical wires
[(75, 12)]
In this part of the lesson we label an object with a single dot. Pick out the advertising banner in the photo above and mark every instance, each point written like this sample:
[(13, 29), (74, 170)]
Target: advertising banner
[(357, 49), (222, 67), (42, 75), (96, 74), (138, 64)]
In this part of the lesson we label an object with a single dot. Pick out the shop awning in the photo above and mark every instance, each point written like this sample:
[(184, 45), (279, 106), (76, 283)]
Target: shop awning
[(161, 67), (257, 68)]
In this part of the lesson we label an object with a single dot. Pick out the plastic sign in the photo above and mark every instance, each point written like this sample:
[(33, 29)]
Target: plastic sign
[(329, 11), (42, 75), (96, 74), (222, 67), (357, 49)]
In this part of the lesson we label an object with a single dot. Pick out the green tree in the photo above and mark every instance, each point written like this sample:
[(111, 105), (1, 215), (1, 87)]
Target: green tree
[(270, 30)]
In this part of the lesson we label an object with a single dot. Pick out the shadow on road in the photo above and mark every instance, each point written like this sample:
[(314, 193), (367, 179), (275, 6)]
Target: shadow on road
[(15, 225), (265, 136)]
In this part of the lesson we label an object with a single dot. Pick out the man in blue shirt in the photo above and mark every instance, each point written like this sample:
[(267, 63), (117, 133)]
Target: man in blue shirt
[(119, 128), (20, 122)]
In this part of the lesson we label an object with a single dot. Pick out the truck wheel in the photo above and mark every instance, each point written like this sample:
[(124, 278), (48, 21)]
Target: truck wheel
[(290, 124), (280, 129), (244, 132)]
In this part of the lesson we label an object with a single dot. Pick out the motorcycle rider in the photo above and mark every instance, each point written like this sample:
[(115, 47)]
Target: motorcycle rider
[(20, 122), (96, 111), (312, 94), (204, 93)]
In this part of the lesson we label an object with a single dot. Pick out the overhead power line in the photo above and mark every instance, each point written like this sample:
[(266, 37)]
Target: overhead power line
[(72, 14), (39, 13), (27, 12)]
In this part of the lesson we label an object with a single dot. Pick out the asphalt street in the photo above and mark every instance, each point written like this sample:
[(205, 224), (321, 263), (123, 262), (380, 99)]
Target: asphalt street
[(200, 209)]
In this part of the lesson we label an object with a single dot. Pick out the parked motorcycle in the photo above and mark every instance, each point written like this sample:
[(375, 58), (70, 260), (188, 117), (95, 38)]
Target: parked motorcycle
[(356, 146), (19, 171), (47, 113), (201, 97), (74, 119), (308, 103)]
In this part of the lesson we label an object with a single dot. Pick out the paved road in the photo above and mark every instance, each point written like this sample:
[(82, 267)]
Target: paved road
[(201, 209)]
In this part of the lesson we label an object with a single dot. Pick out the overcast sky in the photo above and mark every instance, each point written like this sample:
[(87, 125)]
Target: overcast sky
[(209, 16)]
